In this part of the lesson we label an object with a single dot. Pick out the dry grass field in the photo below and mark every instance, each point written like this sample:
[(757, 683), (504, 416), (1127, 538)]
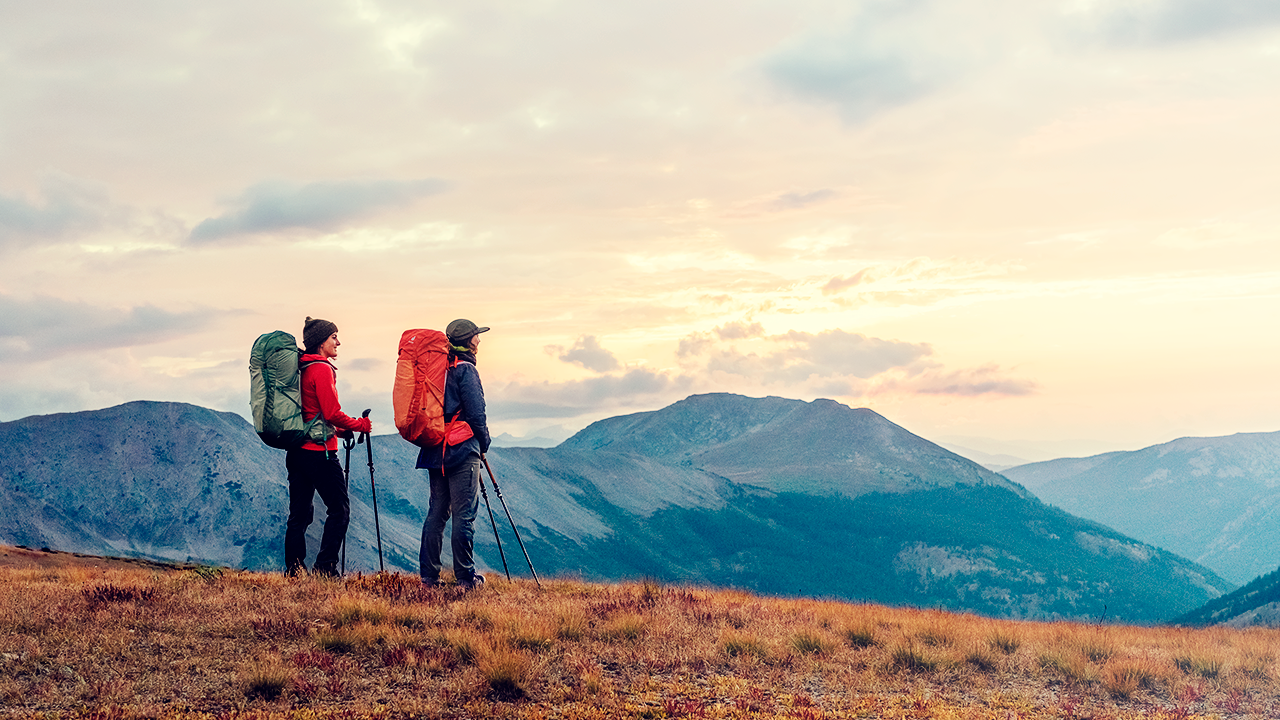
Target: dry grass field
[(112, 640)]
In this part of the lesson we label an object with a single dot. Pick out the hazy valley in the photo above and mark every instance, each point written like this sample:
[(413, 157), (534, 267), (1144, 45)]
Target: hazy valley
[(1214, 500)]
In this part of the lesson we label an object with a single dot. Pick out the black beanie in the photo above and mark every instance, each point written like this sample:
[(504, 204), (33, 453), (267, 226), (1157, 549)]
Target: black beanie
[(315, 332)]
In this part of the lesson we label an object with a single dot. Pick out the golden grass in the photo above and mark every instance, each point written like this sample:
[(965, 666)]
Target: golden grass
[(1004, 641), (266, 680), (140, 642), (861, 636), (736, 643)]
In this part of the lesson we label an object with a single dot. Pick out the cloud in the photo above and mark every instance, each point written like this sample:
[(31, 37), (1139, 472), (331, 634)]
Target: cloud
[(70, 208), (844, 282), (831, 363), (985, 380), (694, 344), (587, 353), (1205, 235), (104, 378), (42, 327), (363, 364), (780, 203), (320, 206), (858, 83), (798, 200), (859, 68), (1149, 22), (576, 397), (829, 354), (739, 331), (1084, 239), (21, 400), (700, 342), (836, 352)]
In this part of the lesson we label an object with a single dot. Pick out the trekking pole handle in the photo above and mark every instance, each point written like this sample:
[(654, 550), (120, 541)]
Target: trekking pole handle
[(364, 414)]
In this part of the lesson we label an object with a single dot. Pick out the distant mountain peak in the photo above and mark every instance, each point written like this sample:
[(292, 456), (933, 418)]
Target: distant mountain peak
[(822, 447)]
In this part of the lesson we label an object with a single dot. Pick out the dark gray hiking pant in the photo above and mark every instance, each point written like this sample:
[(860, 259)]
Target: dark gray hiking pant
[(454, 493)]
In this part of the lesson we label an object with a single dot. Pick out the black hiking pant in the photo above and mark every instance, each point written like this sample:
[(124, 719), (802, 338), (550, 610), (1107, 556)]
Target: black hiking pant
[(311, 472)]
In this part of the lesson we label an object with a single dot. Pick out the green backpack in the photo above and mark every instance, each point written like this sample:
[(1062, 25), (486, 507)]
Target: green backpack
[(275, 393)]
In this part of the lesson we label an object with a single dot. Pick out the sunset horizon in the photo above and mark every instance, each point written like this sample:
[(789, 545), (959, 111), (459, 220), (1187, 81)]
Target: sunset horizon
[(1042, 228)]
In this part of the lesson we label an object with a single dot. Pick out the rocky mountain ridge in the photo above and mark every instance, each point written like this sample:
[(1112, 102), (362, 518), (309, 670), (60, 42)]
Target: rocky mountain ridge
[(839, 503), (1215, 500), (820, 448)]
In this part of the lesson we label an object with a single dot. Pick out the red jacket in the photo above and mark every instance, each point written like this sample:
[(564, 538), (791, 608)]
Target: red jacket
[(320, 394)]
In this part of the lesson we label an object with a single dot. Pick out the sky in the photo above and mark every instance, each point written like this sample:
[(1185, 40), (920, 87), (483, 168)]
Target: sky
[(1046, 228)]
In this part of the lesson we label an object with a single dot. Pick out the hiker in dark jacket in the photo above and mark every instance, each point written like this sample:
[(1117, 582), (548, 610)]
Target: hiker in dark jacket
[(314, 467), (454, 467)]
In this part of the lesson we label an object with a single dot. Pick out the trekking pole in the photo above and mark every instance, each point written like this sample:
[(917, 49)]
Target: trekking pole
[(347, 444), (498, 491), (489, 507), (368, 439)]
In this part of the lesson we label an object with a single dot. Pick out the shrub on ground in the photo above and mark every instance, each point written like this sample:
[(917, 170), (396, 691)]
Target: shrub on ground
[(743, 644), (981, 658), (571, 624), (1097, 649), (1122, 678), (807, 642), (861, 636), (935, 636), (1004, 641), (356, 610), (1070, 665), (467, 644), (532, 634), (627, 626), (506, 671), (913, 658), (266, 681), (1206, 666)]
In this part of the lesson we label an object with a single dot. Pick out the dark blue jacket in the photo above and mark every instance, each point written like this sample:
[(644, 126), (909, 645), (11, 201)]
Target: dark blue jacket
[(463, 396)]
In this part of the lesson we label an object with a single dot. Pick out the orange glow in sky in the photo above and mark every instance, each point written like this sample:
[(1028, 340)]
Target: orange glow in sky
[(1010, 225)]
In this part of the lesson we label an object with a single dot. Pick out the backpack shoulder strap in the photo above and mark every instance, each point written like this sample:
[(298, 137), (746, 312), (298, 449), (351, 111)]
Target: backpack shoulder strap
[(302, 368), (319, 417), (454, 362)]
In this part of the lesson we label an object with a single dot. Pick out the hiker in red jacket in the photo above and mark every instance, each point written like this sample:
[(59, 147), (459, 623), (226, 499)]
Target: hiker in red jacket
[(314, 466)]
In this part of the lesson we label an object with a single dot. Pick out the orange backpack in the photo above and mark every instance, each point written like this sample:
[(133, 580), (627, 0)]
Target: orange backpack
[(418, 394)]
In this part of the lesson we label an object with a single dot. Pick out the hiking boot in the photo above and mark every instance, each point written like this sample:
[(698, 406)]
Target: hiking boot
[(326, 571), (294, 571), (468, 585), (429, 583)]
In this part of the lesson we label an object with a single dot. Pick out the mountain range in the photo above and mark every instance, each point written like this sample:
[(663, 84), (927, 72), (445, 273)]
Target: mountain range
[(1214, 500), (1257, 604), (543, 437), (773, 495)]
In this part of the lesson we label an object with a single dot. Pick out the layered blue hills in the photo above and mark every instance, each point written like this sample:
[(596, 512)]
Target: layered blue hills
[(1215, 500), (772, 495)]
